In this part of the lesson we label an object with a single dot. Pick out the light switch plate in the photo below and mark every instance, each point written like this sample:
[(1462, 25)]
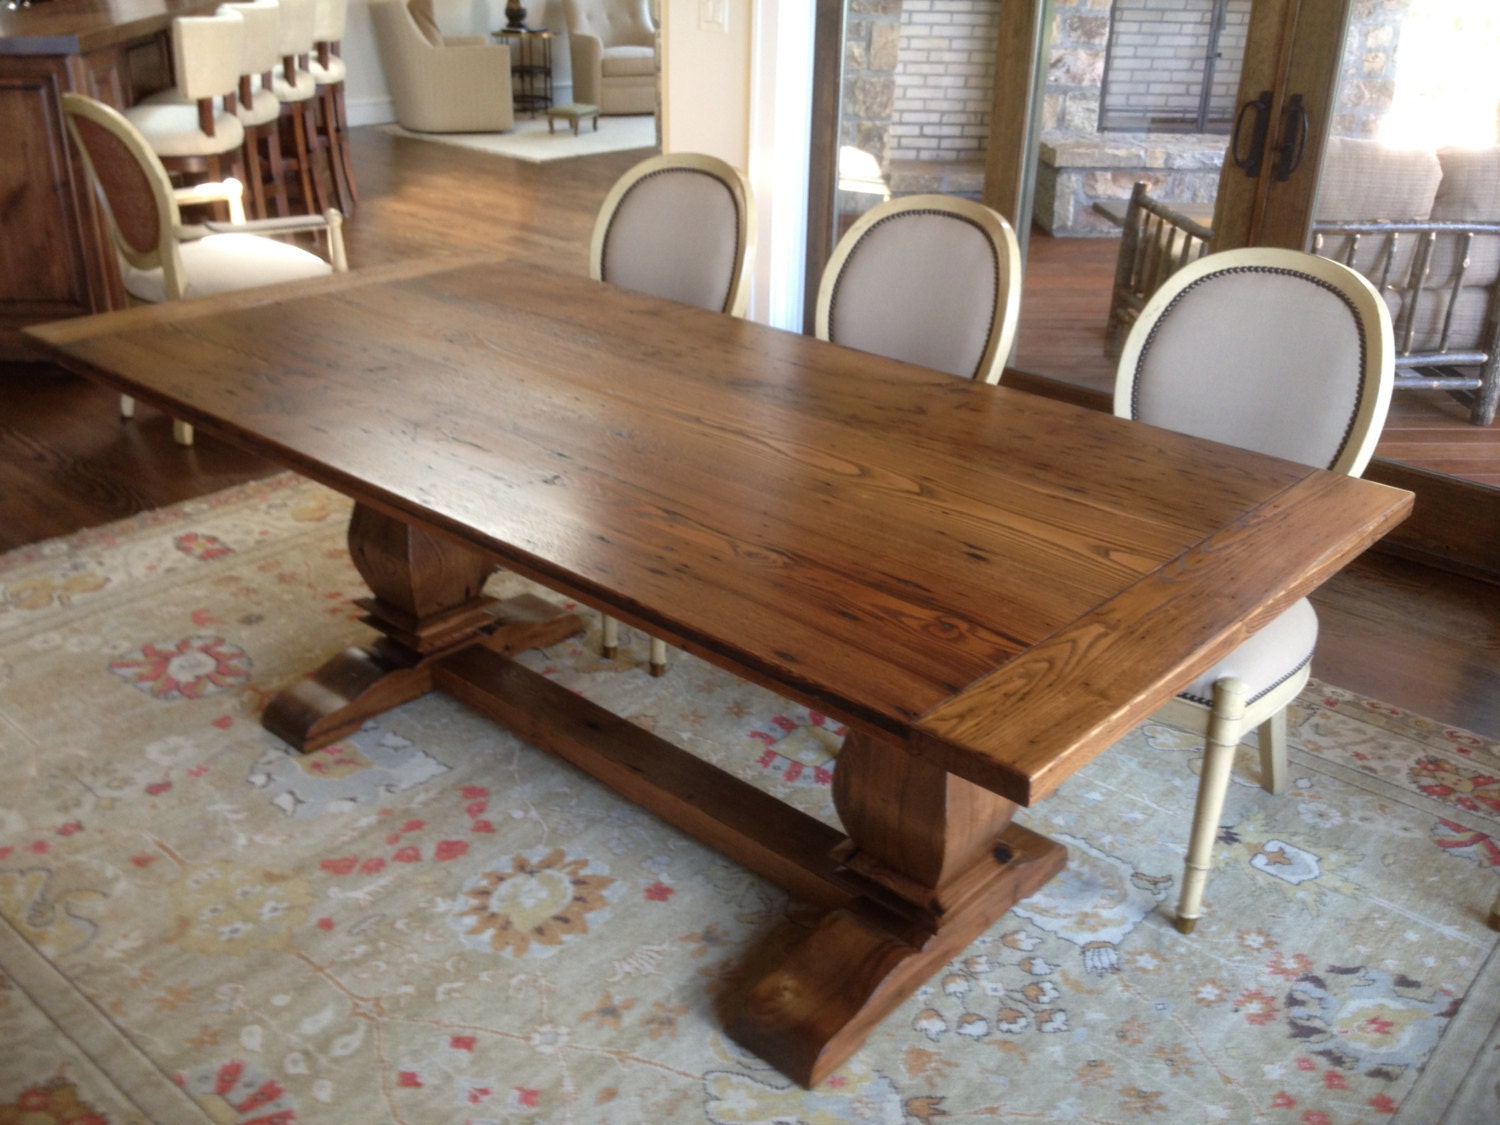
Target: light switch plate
[(713, 15)]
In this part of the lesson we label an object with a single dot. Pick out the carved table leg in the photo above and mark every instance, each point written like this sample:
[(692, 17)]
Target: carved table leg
[(428, 603), (935, 860)]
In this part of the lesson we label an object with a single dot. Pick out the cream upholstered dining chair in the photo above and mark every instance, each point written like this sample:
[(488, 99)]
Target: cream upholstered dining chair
[(680, 226), (327, 66), (193, 124), (257, 106), (612, 46), (160, 258), (297, 91), (928, 279), (441, 84), (1287, 354)]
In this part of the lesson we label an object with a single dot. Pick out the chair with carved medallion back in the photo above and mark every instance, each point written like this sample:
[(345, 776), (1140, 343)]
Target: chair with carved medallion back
[(680, 226), (160, 258), (929, 279), (1283, 353)]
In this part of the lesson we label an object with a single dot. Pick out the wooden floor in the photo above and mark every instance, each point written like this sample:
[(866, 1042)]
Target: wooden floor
[(1063, 309), (1391, 629)]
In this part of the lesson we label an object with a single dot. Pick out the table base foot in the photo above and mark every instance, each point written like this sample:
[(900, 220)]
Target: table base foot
[(362, 682), (812, 1010)]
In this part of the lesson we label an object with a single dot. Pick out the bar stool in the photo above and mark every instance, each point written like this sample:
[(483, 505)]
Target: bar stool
[(295, 90), (183, 125), (258, 108), (328, 71)]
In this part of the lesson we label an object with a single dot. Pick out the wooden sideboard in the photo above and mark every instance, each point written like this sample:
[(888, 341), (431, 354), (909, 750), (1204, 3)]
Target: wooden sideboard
[(53, 260)]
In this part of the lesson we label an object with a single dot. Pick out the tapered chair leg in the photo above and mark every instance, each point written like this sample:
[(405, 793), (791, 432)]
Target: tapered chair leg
[(127, 406), (276, 171), (1224, 730), (333, 142), (658, 657), (346, 155), (609, 646), (182, 432), (255, 175), (302, 156), (1272, 736), (313, 153)]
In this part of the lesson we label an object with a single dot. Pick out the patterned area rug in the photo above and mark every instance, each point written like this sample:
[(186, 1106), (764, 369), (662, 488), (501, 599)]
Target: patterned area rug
[(433, 922), (530, 140)]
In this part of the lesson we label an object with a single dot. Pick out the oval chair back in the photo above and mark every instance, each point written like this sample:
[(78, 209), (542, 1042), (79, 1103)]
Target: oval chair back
[(928, 279), (679, 226), (130, 184), (1273, 350)]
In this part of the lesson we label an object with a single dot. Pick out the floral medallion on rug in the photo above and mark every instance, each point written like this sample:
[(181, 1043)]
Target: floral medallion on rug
[(431, 921)]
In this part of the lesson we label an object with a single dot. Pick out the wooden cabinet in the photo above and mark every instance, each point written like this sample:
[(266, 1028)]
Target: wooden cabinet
[(54, 261)]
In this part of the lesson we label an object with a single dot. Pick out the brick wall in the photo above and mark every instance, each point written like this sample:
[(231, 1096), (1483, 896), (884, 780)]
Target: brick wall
[(944, 79), (1156, 58)]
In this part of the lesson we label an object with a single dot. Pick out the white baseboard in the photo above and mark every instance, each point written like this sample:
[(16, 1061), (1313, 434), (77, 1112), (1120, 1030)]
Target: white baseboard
[(382, 111), (371, 111)]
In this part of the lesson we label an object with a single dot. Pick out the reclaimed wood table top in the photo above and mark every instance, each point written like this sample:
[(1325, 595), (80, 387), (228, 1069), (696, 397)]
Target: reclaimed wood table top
[(1003, 583)]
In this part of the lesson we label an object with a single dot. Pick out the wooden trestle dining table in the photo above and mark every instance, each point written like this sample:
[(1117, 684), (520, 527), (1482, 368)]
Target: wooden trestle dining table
[(987, 587)]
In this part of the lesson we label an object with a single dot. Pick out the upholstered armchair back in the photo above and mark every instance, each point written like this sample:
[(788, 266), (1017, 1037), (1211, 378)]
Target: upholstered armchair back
[(615, 23), (612, 44), (446, 85)]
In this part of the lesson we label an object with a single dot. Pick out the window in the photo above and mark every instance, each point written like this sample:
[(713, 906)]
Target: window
[(1173, 66)]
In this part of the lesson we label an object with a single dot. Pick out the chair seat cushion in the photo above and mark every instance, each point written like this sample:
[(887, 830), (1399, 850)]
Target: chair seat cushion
[(627, 62), (330, 75), (264, 108), (172, 129), (300, 90), (223, 263), (1270, 657)]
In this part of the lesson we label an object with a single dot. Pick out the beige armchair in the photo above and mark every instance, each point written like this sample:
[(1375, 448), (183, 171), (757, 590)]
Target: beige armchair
[(613, 46), (441, 84)]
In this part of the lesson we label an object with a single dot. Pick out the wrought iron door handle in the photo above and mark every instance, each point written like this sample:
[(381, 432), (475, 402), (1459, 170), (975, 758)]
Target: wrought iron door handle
[(1293, 143), (1251, 162)]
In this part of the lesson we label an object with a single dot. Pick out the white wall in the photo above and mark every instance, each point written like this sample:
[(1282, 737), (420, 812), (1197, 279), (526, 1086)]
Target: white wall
[(741, 92)]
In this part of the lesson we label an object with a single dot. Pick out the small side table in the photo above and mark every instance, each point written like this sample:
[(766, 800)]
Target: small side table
[(530, 66), (573, 113)]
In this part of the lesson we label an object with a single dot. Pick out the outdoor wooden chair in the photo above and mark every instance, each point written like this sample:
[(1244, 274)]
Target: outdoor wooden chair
[(1156, 243)]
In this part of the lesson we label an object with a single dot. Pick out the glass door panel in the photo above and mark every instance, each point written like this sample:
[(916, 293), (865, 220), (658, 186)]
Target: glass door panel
[(1137, 92), (1409, 194)]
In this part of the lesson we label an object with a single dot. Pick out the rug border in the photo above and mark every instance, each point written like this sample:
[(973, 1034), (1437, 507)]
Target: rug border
[(114, 1059)]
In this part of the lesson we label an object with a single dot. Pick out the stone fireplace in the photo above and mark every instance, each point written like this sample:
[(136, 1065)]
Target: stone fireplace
[(918, 84)]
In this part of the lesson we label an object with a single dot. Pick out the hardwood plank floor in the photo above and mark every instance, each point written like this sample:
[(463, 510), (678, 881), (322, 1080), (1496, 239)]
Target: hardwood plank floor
[(1400, 632)]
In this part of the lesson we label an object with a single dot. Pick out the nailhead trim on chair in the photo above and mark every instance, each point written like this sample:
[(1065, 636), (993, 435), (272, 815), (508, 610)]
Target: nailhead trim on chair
[(1135, 390), (1301, 664), (833, 300), (604, 253)]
